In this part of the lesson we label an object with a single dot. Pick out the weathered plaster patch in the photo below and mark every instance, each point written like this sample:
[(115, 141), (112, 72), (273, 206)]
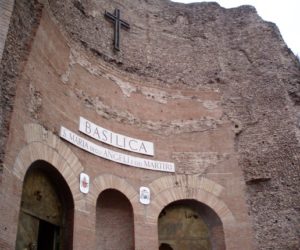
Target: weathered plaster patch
[(160, 127), (76, 58), (196, 162), (210, 104), (153, 94), (126, 87), (35, 102)]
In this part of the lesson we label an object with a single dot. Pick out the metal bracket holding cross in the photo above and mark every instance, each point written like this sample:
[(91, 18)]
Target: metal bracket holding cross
[(119, 23)]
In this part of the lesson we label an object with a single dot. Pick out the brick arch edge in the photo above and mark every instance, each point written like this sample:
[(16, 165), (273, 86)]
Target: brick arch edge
[(44, 145), (168, 189)]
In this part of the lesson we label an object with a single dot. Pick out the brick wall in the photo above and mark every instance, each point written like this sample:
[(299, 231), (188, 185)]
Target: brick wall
[(16, 33)]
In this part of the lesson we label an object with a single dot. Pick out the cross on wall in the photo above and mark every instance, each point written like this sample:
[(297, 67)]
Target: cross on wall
[(119, 23)]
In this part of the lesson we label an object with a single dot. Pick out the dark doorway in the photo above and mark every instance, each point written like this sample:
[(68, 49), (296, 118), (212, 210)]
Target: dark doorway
[(48, 237), (165, 246), (46, 212)]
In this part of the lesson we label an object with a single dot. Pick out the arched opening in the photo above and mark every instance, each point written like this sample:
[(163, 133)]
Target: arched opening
[(47, 210), (189, 224), (114, 226)]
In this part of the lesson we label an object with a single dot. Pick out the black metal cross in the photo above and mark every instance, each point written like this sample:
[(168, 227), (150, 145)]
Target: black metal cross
[(118, 25)]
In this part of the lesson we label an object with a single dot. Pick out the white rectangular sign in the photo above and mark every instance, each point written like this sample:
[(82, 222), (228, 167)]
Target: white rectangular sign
[(84, 183), (115, 139), (144, 195), (113, 155)]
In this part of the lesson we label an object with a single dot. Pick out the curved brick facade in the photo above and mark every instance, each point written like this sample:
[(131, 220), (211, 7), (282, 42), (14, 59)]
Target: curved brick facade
[(215, 90)]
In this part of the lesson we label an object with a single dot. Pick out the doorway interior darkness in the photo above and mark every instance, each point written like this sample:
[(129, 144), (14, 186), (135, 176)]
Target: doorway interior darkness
[(46, 211), (48, 236), (189, 224)]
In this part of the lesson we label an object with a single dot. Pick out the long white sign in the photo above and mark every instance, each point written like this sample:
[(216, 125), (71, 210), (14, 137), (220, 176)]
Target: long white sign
[(117, 140), (113, 155)]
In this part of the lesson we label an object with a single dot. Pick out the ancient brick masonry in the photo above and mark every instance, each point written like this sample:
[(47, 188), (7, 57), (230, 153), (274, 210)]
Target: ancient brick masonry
[(203, 44), (23, 24), (222, 95)]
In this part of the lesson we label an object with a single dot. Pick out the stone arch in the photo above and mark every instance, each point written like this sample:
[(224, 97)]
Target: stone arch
[(111, 182), (181, 193), (44, 145), (108, 181), (190, 181), (46, 210), (114, 221), (169, 189)]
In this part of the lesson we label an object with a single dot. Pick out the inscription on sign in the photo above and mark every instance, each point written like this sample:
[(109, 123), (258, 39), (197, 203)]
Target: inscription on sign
[(114, 139), (113, 155)]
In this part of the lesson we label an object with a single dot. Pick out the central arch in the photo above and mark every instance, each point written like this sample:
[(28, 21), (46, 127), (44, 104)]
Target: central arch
[(190, 224), (114, 221)]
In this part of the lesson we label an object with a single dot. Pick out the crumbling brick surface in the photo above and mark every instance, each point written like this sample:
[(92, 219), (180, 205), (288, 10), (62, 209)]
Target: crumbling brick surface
[(24, 22)]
